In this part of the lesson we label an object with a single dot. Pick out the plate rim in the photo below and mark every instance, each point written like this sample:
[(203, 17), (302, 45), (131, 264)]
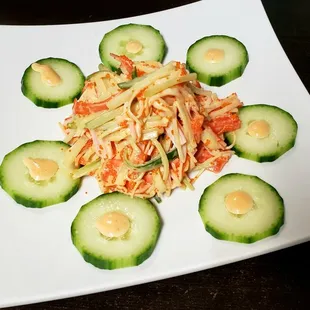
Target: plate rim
[(180, 272)]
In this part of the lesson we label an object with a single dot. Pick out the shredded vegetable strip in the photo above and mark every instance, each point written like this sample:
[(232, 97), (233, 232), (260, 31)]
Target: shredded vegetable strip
[(169, 83), (103, 118), (233, 143), (74, 150), (186, 123), (188, 183), (85, 170), (226, 109), (164, 158)]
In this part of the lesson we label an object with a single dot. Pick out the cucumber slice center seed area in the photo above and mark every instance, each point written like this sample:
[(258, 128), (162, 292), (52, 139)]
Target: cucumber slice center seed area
[(41, 169), (214, 55), (113, 224), (133, 46), (238, 202), (259, 129)]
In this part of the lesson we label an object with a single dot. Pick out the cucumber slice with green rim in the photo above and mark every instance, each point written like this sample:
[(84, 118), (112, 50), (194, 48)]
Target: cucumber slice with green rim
[(16, 179), (35, 87), (272, 135), (241, 208), (138, 42), (217, 59), (116, 231)]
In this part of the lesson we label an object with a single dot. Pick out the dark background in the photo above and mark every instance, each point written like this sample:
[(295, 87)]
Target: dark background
[(280, 280)]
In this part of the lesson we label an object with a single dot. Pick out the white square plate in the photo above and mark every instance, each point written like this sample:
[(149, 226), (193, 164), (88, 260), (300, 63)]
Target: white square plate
[(38, 261)]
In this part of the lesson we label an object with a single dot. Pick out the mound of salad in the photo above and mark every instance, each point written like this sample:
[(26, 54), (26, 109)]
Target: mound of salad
[(148, 128)]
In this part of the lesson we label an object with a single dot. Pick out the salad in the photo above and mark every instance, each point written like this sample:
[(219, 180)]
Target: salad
[(147, 135)]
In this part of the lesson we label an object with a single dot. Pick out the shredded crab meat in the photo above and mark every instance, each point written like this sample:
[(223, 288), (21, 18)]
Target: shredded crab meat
[(167, 124)]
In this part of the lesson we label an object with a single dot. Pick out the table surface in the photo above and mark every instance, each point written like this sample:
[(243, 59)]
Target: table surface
[(278, 280)]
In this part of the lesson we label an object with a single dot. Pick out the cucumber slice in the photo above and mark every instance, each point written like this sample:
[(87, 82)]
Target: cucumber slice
[(18, 183), (106, 251), (138, 42), (55, 96), (217, 59), (282, 133), (264, 219)]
